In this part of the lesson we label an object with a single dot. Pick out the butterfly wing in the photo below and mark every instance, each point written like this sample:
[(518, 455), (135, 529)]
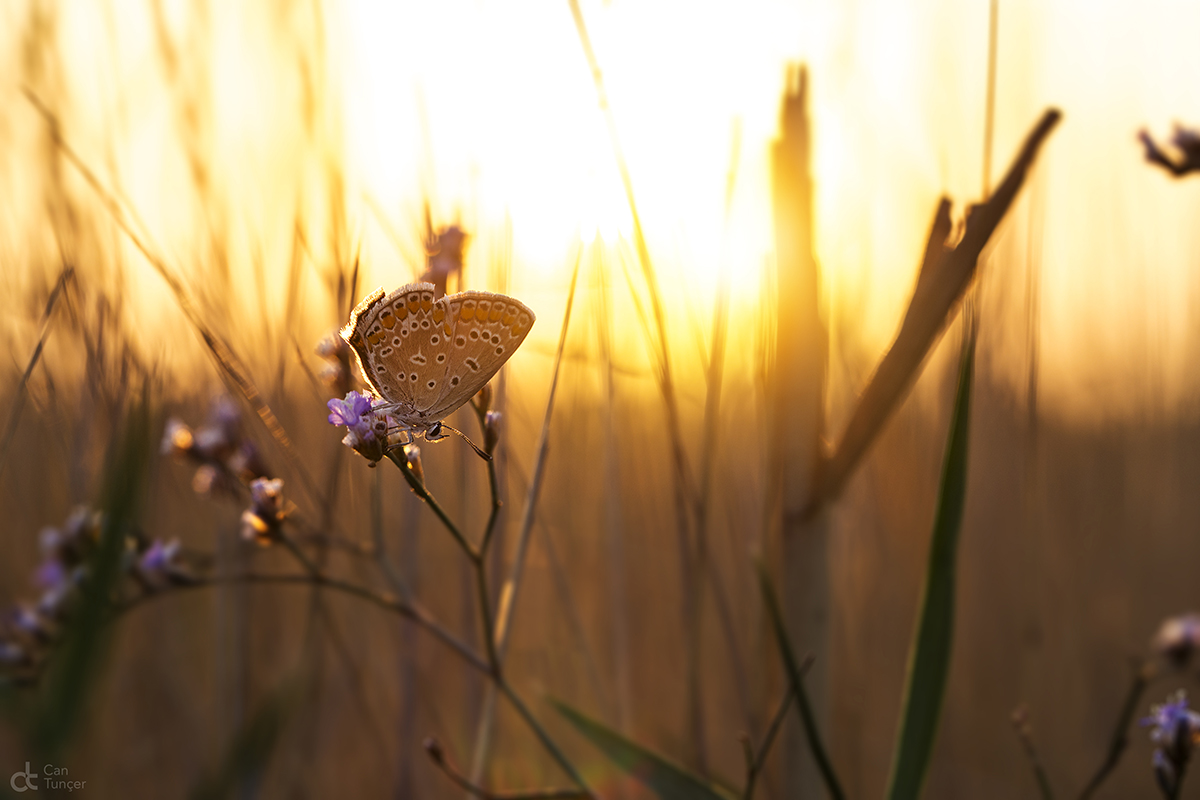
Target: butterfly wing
[(363, 333), (403, 345), (486, 329)]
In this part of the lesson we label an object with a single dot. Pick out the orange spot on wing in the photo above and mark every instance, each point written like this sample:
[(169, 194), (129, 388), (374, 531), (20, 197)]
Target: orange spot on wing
[(387, 319)]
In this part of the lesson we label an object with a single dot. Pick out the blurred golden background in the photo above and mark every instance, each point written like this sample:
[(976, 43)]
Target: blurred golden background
[(281, 158)]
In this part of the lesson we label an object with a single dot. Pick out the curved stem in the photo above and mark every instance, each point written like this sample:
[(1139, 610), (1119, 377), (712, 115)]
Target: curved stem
[(542, 735), (412, 611), (396, 456), (494, 516), (475, 790)]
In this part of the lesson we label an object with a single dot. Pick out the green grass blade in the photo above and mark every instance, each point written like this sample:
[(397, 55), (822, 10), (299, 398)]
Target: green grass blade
[(796, 677), (250, 749), (667, 780), (929, 656), (76, 664)]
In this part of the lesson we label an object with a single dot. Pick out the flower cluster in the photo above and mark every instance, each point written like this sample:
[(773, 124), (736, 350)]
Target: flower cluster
[(1176, 731), (337, 374), (366, 428), (1178, 639), (224, 457), (28, 629), (261, 521)]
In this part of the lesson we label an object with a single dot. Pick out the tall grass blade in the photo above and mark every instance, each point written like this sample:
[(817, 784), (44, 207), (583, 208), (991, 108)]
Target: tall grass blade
[(667, 780), (76, 663), (929, 657), (250, 749), (14, 414), (499, 635)]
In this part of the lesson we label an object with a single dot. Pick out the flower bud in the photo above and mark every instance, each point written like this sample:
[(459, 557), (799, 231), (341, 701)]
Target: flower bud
[(412, 454), (1178, 638), (491, 431), (434, 748), (261, 521)]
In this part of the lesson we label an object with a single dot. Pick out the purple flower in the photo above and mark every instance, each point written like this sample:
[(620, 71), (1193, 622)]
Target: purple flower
[(354, 412), (12, 654), (1171, 718), (366, 428), (157, 564), (1176, 731), (26, 619), (50, 573)]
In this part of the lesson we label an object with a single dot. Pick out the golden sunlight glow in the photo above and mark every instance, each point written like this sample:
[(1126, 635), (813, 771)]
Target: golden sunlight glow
[(488, 111)]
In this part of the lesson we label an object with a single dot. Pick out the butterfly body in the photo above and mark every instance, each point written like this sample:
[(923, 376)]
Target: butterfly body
[(426, 357)]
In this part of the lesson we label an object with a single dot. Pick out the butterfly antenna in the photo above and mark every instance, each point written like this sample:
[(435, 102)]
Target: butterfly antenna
[(464, 437)]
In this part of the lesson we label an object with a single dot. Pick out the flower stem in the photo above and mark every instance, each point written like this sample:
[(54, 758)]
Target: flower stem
[(396, 456)]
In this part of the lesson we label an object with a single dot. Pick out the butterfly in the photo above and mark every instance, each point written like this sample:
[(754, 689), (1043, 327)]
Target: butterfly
[(426, 357)]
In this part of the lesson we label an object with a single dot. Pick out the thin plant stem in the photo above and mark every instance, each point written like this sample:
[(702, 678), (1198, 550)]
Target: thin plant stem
[(381, 557), (309, 565), (485, 614), (405, 608), (1120, 735), (493, 641), (502, 625), (494, 515), (397, 457), (796, 677), (756, 760), (14, 414), (1020, 720), (683, 489), (231, 365), (474, 790), (548, 743)]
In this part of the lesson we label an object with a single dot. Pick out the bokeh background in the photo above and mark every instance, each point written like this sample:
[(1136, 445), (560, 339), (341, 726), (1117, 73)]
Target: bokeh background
[(266, 148)]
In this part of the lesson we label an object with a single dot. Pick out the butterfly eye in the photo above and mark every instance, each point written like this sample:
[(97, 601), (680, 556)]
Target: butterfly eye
[(435, 431)]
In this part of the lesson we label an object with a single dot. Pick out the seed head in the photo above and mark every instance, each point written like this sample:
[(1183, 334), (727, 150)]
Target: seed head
[(1178, 638)]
